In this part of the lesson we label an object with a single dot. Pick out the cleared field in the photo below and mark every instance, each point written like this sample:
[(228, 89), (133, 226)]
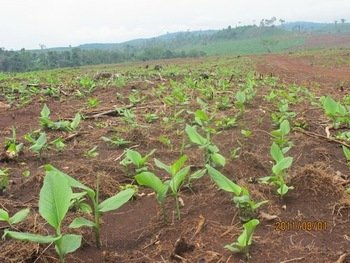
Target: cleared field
[(238, 131)]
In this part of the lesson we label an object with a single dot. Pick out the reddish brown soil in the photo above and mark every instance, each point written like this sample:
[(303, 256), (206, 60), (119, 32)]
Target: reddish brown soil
[(137, 233), (301, 70)]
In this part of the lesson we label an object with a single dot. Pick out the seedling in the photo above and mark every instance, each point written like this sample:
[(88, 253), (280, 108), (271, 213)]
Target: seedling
[(46, 122), (40, 144), (283, 114), (59, 144), (241, 196), (98, 208), (13, 149), (151, 117), (87, 84), (240, 101), (279, 136), (115, 141), (93, 102), (234, 153), (178, 174), (16, 218), (92, 153), (54, 201), (4, 180), (346, 152), (135, 158), (245, 240), (337, 112), (246, 133), (212, 155), (279, 176)]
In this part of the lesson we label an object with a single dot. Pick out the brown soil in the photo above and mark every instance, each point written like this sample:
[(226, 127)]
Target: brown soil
[(137, 233)]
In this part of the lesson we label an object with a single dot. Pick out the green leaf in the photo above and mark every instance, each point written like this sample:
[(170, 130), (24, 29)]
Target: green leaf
[(178, 179), (194, 136), (39, 143), (71, 181), (178, 164), (197, 175), (223, 182), (45, 112), (346, 151), (162, 165), (234, 247), (114, 202), (218, 159), (245, 239), (67, 244), (80, 222), (135, 157), (283, 164), (150, 180), (4, 216), (23, 236), (19, 216), (76, 121), (276, 152), (54, 199), (285, 127), (283, 189)]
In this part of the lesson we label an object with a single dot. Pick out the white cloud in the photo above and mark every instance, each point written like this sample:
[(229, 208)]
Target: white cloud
[(26, 23)]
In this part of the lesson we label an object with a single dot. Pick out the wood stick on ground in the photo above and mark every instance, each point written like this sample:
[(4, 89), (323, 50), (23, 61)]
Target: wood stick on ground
[(293, 259), (316, 135)]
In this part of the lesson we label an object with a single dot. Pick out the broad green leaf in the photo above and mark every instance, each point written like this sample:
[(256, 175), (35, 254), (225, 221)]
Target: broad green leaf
[(283, 189), (276, 152), (67, 244), (23, 236), (201, 115), (54, 199), (285, 127), (346, 151), (80, 222), (76, 121), (134, 156), (178, 164), (197, 175), (19, 216), (194, 136), (223, 182), (39, 143), (116, 201), (234, 247), (245, 239), (45, 112), (150, 180), (283, 164), (178, 179), (4, 216), (162, 165), (71, 181), (218, 159)]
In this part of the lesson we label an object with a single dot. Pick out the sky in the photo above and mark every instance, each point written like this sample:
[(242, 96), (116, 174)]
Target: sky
[(57, 23)]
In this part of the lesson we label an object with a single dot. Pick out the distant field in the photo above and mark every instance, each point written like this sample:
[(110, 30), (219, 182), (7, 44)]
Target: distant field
[(249, 46)]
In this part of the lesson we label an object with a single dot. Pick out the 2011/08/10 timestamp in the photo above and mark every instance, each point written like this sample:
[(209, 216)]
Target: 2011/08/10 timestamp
[(301, 225)]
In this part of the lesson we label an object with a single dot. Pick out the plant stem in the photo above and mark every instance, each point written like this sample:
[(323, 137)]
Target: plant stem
[(177, 208), (97, 214)]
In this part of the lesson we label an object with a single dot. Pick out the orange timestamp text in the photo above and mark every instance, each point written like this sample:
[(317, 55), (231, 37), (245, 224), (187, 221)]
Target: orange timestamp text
[(301, 225)]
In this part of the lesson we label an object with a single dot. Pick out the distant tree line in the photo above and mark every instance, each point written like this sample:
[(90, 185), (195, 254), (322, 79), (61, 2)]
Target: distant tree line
[(24, 60)]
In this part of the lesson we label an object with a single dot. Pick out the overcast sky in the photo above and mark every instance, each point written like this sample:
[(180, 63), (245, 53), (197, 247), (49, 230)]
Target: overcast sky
[(28, 23)]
